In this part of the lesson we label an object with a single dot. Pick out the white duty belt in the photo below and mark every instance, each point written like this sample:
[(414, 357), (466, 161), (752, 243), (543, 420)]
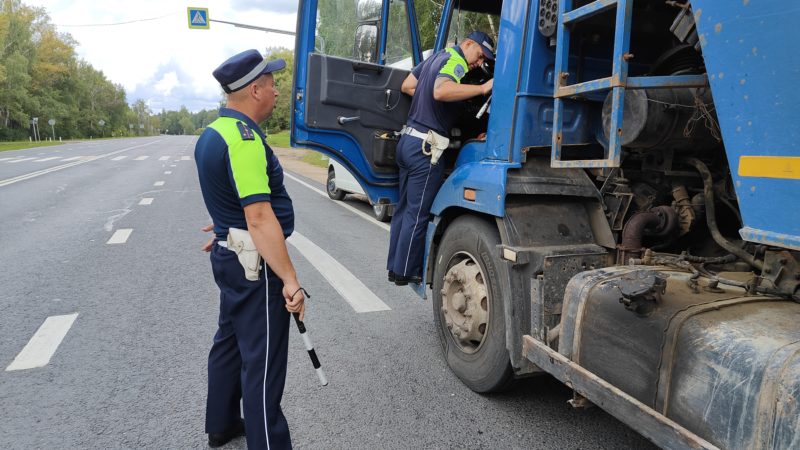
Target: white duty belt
[(414, 133)]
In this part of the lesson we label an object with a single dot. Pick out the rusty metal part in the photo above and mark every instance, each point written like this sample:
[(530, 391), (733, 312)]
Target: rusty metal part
[(782, 269), (686, 214), (660, 221), (641, 290), (708, 191), (654, 426), (465, 305)]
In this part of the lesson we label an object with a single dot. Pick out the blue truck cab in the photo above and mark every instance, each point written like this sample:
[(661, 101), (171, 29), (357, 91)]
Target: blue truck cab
[(629, 224)]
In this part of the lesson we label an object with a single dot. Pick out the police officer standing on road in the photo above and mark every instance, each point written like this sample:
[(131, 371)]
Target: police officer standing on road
[(436, 87), (242, 185)]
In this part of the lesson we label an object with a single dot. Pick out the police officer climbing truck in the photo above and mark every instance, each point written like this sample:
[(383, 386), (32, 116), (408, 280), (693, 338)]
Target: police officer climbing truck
[(436, 88), (242, 185)]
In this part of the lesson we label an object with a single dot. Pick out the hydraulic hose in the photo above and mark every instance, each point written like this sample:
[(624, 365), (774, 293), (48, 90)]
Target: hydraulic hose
[(711, 220)]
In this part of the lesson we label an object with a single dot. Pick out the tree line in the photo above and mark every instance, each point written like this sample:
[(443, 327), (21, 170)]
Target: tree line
[(42, 78)]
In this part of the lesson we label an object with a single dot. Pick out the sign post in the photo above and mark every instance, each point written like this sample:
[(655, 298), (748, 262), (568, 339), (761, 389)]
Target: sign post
[(102, 130), (199, 20), (52, 128)]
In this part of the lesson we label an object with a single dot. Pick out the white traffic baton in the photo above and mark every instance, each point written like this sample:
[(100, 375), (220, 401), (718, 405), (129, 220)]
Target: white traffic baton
[(301, 327)]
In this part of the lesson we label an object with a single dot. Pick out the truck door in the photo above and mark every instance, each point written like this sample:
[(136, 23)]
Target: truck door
[(351, 57)]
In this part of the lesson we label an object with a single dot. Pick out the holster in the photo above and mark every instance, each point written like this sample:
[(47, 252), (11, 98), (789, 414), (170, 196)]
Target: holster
[(438, 144), (240, 242)]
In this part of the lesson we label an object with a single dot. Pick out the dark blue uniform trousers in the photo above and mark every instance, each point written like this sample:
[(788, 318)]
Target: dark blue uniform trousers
[(419, 183), (248, 358)]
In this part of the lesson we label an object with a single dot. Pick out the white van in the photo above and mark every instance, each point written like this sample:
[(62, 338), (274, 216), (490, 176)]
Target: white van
[(341, 182)]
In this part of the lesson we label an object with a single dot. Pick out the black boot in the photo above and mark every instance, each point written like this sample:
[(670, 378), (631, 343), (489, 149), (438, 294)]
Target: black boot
[(219, 439)]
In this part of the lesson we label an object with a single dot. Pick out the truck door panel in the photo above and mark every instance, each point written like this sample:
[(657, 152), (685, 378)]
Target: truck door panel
[(360, 99)]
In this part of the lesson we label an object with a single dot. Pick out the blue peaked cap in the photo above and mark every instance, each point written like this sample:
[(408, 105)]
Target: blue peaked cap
[(243, 68), (486, 43)]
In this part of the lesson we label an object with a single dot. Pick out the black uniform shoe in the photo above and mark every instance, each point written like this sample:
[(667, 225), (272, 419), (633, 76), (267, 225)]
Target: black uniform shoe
[(391, 277), (402, 281), (219, 439)]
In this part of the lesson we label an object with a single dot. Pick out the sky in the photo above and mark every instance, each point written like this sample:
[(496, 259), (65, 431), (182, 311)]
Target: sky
[(162, 61)]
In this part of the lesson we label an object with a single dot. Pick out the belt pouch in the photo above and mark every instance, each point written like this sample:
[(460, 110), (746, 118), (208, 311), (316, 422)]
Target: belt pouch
[(241, 243)]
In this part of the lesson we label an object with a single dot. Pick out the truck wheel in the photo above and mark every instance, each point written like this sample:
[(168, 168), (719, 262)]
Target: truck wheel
[(382, 212), (468, 305), (330, 186)]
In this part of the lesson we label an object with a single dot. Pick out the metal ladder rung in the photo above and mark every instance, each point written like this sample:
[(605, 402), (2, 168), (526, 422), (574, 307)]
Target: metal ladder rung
[(587, 11)]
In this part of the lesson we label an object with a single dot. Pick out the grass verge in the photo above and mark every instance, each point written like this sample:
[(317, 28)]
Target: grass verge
[(315, 159), (16, 145), (280, 139)]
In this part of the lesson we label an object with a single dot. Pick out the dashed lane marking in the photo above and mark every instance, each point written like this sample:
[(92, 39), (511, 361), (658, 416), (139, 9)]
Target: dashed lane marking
[(343, 205), (120, 236), (186, 158), (44, 343), (141, 158), (168, 172), (158, 183), (164, 158), (47, 159), (20, 160), (28, 176), (146, 201), (119, 158), (346, 284), (72, 159)]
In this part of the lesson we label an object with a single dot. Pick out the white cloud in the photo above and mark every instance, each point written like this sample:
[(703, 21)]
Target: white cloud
[(141, 55)]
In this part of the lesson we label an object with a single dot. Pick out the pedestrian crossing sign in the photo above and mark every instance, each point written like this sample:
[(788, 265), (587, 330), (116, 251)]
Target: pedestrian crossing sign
[(198, 18)]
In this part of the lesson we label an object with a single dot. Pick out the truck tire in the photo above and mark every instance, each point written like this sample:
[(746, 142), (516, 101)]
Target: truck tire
[(468, 305), (330, 186), (382, 212)]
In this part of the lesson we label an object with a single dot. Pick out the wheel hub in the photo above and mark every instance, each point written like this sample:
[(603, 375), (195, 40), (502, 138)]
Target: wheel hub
[(465, 304)]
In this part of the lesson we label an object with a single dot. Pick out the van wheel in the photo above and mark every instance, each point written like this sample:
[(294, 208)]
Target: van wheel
[(468, 305), (382, 212), (330, 186)]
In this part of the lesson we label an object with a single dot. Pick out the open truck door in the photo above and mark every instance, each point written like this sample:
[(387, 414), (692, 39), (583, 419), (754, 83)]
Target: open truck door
[(351, 57)]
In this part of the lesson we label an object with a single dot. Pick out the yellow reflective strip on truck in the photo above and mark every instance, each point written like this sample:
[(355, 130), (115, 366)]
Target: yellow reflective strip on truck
[(787, 167)]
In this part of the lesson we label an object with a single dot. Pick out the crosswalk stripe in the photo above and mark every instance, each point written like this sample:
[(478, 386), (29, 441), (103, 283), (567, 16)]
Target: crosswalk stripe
[(354, 292), (146, 201), (44, 343), (164, 158), (158, 183), (119, 158), (141, 158)]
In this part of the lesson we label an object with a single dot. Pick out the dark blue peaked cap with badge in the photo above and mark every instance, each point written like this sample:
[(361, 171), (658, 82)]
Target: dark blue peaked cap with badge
[(242, 69), (486, 43)]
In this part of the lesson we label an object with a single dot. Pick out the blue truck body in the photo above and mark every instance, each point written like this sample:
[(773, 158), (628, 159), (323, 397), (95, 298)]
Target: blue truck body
[(629, 224)]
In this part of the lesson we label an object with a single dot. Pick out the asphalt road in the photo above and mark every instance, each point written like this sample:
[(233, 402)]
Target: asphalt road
[(130, 371)]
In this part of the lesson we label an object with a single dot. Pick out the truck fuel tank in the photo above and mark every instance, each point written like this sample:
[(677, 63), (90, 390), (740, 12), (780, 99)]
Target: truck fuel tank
[(720, 362)]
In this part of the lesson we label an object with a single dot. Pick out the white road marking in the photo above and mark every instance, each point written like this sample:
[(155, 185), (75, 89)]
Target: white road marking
[(141, 158), (47, 159), (346, 284), (146, 201), (10, 157), (168, 172), (164, 158), (20, 160), (343, 205), (73, 158), (44, 343), (28, 176), (173, 165), (120, 236), (158, 183), (186, 158), (119, 158)]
